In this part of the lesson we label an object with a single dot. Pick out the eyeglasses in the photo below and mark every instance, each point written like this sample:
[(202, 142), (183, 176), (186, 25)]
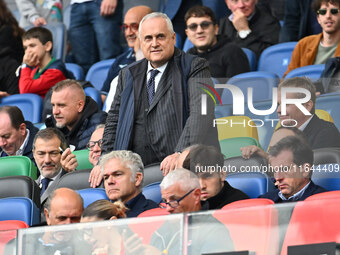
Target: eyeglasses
[(204, 25), (174, 203), (132, 26), (90, 145), (334, 11)]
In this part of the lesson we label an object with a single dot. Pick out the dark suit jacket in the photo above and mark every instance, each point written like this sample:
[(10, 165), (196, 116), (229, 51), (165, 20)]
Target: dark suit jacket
[(139, 204), (311, 190), (322, 134), (167, 129)]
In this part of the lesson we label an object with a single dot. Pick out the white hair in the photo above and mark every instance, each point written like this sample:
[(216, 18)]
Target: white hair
[(156, 15), (131, 160), (187, 179)]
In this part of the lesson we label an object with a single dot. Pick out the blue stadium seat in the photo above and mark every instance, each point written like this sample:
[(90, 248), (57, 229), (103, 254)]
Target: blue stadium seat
[(219, 7), (253, 184), (276, 58), (261, 82), (77, 70), (67, 16), (153, 192), (29, 104), (19, 208), (327, 176), (95, 94), (90, 195), (179, 41), (98, 72), (251, 58), (152, 173), (313, 72), (187, 45), (331, 104)]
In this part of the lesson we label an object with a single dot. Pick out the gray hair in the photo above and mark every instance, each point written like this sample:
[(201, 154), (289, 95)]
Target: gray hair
[(187, 179), (131, 160), (156, 15)]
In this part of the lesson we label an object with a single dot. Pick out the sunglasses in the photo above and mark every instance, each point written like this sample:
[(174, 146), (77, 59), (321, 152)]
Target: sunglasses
[(333, 11), (204, 25), (133, 27)]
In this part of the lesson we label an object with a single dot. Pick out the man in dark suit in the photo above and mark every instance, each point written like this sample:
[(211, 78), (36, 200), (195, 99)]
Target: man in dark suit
[(320, 133), (291, 160), (47, 154), (123, 177), (157, 107), (16, 134)]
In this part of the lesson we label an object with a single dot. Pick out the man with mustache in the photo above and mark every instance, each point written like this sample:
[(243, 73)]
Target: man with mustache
[(316, 49), (47, 155)]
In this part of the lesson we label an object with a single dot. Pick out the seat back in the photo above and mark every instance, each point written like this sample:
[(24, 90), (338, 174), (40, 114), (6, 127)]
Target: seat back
[(19, 208), (251, 58), (91, 195), (20, 186), (153, 192), (76, 180), (248, 203), (335, 194), (95, 95), (152, 174), (98, 73), (262, 83), (253, 184), (83, 159), (313, 222), (330, 103), (239, 164), (276, 58), (327, 176), (253, 228), (30, 105), (312, 71), (17, 165), (236, 126), (231, 147), (187, 45), (77, 70), (326, 155), (8, 231)]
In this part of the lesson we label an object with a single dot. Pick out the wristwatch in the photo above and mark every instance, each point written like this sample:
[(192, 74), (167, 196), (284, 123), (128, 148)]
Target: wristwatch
[(244, 33)]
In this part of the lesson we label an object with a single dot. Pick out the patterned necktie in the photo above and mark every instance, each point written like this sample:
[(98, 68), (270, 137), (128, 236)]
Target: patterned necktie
[(151, 85), (44, 186)]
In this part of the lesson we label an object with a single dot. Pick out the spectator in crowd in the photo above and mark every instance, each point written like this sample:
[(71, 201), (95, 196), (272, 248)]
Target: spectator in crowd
[(11, 51), (181, 193), (316, 49), (225, 58), (75, 114), (299, 21), (207, 163), (64, 206), (68, 159), (123, 177), (291, 159), (40, 71), (94, 31), (46, 152), (130, 28), (39, 13), (16, 134), (320, 133), (175, 10), (165, 118), (250, 27)]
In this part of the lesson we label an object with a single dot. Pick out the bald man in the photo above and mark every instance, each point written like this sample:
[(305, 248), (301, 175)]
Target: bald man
[(130, 29), (75, 114)]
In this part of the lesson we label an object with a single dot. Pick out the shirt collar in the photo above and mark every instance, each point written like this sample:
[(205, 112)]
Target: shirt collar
[(296, 196), (131, 202), (161, 69), (51, 179), (23, 145), (304, 125)]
